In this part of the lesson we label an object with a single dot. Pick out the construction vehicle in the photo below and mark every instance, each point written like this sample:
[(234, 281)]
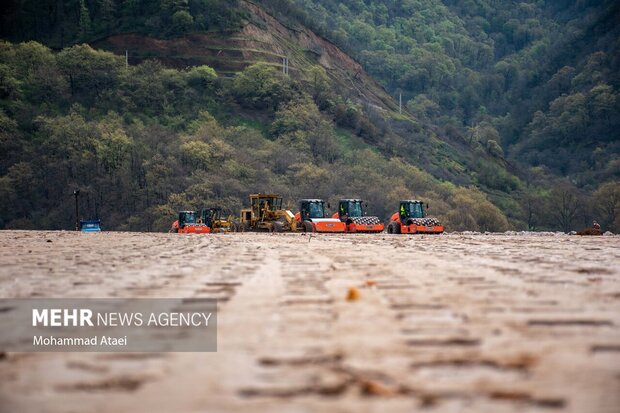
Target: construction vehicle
[(266, 214), (90, 225), (411, 219), (207, 221), (189, 222), (212, 218), (312, 217), (352, 213)]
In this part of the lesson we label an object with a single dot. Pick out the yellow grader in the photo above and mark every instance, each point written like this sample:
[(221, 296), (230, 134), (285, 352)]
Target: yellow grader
[(266, 214)]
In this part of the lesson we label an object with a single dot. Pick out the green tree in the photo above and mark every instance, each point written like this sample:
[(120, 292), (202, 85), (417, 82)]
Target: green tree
[(106, 12), (472, 210), (308, 125), (85, 21), (494, 149), (202, 78), (90, 72), (607, 204), (602, 102), (112, 146), (318, 83), (37, 65), (423, 107), (261, 86), (182, 21)]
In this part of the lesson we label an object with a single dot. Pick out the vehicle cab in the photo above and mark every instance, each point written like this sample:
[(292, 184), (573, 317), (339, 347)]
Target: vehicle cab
[(410, 209), (189, 222), (353, 213), (313, 218), (411, 219), (90, 225)]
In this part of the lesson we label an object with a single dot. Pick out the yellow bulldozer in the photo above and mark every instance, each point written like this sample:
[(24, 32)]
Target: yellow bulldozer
[(266, 214)]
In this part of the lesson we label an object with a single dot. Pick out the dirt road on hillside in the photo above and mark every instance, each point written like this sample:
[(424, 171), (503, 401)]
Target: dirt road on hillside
[(450, 323)]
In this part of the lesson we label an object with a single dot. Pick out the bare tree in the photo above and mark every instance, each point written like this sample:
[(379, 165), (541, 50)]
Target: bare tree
[(564, 205), (533, 207)]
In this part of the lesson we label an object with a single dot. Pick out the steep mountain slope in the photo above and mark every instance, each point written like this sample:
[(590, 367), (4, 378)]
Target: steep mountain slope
[(262, 38), (183, 135), (541, 79)]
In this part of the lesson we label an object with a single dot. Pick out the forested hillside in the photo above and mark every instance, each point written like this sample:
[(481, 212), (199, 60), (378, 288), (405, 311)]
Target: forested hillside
[(540, 78), (537, 80), (141, 144), (483, 118)]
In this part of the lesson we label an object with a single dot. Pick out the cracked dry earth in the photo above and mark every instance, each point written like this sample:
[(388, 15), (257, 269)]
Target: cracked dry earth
[(450, 323)]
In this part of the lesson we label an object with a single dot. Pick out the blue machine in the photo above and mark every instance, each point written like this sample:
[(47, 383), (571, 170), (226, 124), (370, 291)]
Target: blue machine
[(90, 225)]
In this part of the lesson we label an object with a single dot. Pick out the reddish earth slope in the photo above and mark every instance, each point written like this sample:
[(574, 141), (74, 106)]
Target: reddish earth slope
[(262, 38)]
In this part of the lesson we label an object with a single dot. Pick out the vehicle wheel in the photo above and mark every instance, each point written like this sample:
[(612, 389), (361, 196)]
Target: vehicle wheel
[(393, 228), (396, 227), (308, 226), (245, 227), (278, 226)]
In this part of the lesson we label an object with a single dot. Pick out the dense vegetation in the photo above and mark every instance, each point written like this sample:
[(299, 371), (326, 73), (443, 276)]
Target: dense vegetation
[(140, 143), (517, 85), (536, 82), (63, 23), (539, 78)]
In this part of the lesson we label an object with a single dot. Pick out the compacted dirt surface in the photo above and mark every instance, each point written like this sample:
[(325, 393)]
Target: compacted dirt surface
[(449, 323)]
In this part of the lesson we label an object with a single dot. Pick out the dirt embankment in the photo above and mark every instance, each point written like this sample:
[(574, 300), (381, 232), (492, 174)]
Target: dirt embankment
[(261, 39), (468, 323)]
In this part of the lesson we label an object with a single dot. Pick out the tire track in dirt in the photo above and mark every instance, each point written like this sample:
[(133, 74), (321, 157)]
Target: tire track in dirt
[(489, 369), (201, 270), (328, 366), (480, 323)]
